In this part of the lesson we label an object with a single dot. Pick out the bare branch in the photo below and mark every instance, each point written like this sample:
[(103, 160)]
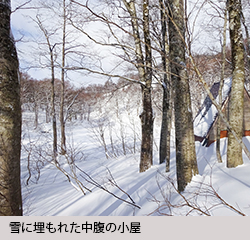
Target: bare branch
[(199, 199), (22, 6), (104, 74), (90, 180)]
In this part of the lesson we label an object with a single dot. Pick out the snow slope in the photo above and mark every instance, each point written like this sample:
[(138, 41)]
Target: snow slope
[(53, 195)]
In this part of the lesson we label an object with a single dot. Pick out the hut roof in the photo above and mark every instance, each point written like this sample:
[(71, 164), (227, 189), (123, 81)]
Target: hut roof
[(208, 112)]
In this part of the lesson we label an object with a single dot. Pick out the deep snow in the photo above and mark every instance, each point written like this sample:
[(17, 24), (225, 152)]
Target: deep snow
[(54, 195)]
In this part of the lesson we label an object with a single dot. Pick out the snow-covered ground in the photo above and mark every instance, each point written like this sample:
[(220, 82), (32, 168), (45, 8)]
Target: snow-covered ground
[(49, 192)]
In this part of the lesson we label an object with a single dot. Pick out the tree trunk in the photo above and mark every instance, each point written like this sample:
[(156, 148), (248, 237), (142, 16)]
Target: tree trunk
[(247, 51), (62, 121), (36, 110), (236, 102), (223, 58), (147, 118), (144, 67), (147, 122), (10, 119), (166, 115), (185, 148), (47, 111), (52, 68), (53, 111)]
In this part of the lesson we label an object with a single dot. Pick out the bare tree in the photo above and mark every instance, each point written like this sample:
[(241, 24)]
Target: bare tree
[(10, 119), (30, 95), (205, 86), (144, 66), (236, 102), (247, 47), (135, 27), (166, 109), (62, 121), (52, 67), (185, 147), (221, 84)]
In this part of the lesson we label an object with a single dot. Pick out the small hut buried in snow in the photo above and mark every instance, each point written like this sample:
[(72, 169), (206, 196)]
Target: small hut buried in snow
[(206, 120)]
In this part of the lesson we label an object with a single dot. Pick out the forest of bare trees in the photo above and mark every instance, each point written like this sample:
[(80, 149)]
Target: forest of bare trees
[(147, 54)]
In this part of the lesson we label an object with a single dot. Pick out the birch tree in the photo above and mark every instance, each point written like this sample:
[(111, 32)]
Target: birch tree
[(10, 119), (185, 148), (236, 102), (52, 68), (144, 67), (62, 121), (166, 109)]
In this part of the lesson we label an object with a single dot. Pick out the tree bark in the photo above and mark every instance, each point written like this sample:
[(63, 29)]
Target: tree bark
[(166, 110), (147, 118), (236, 101), (62, 121), (144, 67), (223, 58), (147, 123), (10, 119), (53, 110), (185, 148), (247, 47)]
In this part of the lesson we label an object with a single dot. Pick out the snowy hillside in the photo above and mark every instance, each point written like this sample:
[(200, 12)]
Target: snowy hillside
[(49, 192)]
